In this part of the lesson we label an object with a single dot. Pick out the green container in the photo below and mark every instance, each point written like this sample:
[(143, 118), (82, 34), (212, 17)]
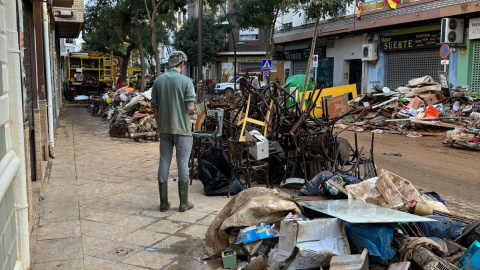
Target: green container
[(229, 259), (298, 80)]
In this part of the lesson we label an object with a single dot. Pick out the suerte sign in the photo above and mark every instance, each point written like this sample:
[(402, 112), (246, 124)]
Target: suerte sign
[(410, 41)]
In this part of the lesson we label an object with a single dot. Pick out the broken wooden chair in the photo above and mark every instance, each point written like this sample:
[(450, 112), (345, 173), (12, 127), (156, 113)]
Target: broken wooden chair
[(237, 152)]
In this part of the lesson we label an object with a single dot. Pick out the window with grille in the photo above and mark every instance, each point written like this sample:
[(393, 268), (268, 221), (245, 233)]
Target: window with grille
[(405, 65), (475, 79)]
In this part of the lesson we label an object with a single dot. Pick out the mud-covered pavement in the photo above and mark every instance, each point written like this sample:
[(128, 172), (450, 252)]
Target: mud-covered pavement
[(100, 202), (451, 172), (100, 205)]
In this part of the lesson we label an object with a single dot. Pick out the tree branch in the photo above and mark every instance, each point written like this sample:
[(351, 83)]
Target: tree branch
[(148, 11)]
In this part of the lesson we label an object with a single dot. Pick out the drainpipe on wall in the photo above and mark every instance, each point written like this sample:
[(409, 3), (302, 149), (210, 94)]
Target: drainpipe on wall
[(51, 135)]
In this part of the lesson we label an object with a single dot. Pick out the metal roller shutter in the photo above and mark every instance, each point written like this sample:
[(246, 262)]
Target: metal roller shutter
[(405, 65), (475, 80), (299, 67)]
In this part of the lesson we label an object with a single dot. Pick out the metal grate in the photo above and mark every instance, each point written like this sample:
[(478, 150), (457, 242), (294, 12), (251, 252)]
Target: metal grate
[(475, 80), (300, 67), (405, 65)]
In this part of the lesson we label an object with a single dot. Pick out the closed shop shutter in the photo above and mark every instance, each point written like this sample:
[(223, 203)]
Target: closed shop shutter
[(300, 67), (405, 65), (475, 79)]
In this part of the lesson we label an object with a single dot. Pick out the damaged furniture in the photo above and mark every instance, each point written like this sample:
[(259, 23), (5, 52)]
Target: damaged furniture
[(249, 168)]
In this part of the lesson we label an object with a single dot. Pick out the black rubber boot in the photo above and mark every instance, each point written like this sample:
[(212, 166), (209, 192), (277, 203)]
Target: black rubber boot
[(183, 193), (163, 191)]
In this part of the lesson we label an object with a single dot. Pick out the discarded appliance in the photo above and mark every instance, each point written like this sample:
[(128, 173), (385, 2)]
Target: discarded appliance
[(260, 150)]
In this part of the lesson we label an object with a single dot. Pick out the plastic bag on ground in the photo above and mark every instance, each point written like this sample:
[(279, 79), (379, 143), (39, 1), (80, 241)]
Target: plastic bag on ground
[(318, 185), (444, 228), (214, 172), (376, 238)]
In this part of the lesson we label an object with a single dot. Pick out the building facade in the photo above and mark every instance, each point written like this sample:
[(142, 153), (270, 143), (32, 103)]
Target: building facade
[(386, 47), (30, 100)]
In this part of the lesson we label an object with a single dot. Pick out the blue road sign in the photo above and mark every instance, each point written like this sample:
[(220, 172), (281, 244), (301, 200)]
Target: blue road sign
[(266, 64), (444, 51)]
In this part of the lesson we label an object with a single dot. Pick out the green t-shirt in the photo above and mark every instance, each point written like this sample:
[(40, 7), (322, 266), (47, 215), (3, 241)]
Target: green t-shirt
[(171, 93)]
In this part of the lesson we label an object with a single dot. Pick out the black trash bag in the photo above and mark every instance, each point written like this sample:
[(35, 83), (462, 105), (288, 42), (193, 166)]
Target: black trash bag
[(219, 159), (318, 186), (444, 228), (214, 172)]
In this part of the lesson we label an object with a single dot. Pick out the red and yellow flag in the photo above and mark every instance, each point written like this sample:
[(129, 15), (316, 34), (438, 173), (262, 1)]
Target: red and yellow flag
[(359, 10), (391, 3)]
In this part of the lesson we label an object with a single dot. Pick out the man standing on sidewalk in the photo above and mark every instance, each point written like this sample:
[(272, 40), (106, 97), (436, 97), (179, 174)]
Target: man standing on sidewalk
[(173, 98)]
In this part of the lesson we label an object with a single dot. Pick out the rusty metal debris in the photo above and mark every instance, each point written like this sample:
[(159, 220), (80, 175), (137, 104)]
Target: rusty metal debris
[(301, 144)]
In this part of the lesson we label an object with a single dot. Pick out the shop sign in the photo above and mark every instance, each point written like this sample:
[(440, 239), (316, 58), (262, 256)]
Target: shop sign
[(474, 29), (303, 54), (246, 59), (410, 41), (277, 56)]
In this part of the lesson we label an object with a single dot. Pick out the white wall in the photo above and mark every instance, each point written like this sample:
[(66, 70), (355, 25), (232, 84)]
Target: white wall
[(12, 163), (344, 49), (299, 18)]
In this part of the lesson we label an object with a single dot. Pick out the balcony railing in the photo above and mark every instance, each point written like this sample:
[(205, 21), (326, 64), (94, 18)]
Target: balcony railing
[(379, 4)]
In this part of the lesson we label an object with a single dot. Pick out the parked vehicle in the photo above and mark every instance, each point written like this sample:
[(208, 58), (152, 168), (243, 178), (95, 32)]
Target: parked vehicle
[(88, 72), (227, 87)]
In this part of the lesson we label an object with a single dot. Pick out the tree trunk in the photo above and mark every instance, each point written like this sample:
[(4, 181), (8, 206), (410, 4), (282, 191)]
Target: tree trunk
[(271, 44), (155, 51), (125, 60), (312, 51), (154, 38), (138, 37)]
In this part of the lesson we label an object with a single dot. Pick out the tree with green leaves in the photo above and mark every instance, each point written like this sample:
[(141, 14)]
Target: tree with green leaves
[(108, 28), (186, 39), (320, 9), (262, 15), (160, 16)]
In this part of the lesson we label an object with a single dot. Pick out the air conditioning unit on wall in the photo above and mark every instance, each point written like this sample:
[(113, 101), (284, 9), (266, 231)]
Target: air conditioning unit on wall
[(452, 31), (369, 52)]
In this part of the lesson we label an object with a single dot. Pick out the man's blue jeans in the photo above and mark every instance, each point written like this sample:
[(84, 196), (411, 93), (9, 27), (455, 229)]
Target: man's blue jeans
[(183, 146)]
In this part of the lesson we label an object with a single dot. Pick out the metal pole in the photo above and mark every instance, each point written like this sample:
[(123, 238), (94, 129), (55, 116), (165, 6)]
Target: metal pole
[(234, 64), (200, 60)]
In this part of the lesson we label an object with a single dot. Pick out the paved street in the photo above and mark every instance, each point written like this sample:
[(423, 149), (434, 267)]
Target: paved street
[(100, 205)]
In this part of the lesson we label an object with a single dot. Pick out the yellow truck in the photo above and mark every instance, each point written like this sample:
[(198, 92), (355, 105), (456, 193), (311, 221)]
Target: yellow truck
[(88, 73)]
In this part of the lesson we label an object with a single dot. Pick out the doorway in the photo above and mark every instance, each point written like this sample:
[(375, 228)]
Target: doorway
[(355, 74)]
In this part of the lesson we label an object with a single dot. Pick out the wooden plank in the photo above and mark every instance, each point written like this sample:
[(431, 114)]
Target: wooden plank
[(337, 106)]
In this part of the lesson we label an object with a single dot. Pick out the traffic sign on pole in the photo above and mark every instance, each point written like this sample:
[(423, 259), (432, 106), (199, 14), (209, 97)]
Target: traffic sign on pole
[(315, 60), (116, 61), (266, 64), (444, 51)]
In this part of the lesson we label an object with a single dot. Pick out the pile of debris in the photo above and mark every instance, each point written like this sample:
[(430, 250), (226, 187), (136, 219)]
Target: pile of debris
[(129, 114), (423, 107), (384, 224), (348, 215)]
